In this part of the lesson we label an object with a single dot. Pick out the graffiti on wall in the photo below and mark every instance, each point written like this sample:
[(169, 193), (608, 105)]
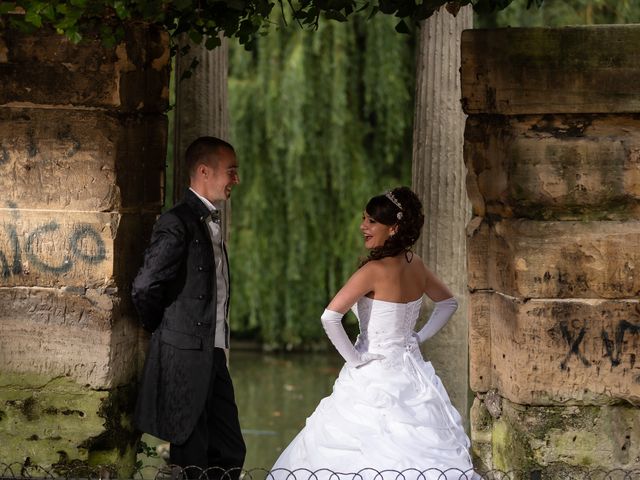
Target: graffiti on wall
[(85, 245), (614, 340)]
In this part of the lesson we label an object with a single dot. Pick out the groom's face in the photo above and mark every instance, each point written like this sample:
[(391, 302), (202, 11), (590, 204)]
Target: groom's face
[(222, 175)]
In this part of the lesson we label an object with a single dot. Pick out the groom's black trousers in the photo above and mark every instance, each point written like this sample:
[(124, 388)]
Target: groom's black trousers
[(216, 440)]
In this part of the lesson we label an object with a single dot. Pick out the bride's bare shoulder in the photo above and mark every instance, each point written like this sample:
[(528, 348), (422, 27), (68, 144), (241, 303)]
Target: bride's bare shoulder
[(374, 266)]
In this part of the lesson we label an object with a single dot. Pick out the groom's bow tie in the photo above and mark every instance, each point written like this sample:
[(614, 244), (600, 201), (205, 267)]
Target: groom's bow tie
[(213, 215)]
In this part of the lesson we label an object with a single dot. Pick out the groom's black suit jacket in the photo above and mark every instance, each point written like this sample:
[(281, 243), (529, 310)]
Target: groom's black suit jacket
[(175, 296)]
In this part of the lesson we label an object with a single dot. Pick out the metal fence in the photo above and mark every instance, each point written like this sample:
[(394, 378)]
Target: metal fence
[(15, 471)]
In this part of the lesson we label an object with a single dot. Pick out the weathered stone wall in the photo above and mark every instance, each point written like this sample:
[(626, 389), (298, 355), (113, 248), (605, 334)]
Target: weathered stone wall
[(552, 148), (82, 152)]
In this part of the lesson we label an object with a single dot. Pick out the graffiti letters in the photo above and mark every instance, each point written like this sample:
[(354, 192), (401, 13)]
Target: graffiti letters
[(84, 245), (613, 348), (574, 345), (614, 339)]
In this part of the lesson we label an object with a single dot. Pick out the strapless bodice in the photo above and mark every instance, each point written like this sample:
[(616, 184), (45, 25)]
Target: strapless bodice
[(386, 326)]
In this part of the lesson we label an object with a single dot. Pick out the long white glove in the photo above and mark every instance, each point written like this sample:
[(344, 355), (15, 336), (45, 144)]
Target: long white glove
[(440, 315), (332, 323)]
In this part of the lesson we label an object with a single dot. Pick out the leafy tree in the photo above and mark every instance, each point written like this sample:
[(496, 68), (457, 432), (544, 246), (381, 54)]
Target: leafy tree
[(204, 20), (557, 13)]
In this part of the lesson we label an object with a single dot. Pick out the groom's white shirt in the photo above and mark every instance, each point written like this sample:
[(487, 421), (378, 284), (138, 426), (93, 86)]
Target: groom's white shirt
[(222, 277)]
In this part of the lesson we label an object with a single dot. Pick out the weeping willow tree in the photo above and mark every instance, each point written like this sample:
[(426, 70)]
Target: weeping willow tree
[(557, 13), (321, 121)]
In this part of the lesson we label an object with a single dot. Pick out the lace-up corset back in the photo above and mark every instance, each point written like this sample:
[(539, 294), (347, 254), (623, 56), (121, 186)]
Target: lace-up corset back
[(386, 327)]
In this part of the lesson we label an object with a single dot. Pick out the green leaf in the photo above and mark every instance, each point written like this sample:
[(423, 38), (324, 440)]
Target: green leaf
[(401, 27), (212, 42), (33, 18), (364, 6), (78, 3), (73, 35), (121, 10), (335, 15), (108, 39), (49, 12), (195, 36), (109, 42), (387, 6), (299, 14)]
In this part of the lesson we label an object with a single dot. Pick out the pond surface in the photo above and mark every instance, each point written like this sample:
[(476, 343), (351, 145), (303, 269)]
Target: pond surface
[(275, 394)]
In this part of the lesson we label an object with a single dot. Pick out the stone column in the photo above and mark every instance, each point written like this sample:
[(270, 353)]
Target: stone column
[(438, 178), (82, 146), (201, 105), (552, 147)]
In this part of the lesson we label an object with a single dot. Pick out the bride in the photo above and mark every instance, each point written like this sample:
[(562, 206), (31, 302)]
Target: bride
[(388, 411)]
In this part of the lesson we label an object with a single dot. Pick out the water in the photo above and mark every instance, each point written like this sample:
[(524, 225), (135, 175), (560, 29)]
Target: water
[(275, 394)]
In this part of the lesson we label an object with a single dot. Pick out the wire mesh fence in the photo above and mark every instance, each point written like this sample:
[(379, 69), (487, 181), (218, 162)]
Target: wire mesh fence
[(15, 471)]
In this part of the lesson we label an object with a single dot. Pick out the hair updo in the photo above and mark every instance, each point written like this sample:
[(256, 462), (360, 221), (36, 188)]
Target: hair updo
[(408, 217)]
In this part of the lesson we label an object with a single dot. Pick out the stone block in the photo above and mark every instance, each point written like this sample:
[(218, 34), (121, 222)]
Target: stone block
[(558, 351), (558, 441), (47, 69), (57, 424), (554, 166), (479, 308), (513, 71), (85, 337), (538, 259), (131, 240), (81, 160), (73, 250)]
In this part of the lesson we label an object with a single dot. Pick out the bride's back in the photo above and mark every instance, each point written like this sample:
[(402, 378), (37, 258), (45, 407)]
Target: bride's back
[(399, 279)]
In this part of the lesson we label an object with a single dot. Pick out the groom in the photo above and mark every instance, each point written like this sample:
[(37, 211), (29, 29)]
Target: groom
[(181, 294)]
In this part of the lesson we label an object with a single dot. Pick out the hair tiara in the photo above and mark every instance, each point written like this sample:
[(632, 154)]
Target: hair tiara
[(394, 200)]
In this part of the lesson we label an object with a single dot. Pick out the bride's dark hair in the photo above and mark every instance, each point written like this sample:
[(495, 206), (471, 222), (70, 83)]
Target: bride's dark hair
[(407, 216)]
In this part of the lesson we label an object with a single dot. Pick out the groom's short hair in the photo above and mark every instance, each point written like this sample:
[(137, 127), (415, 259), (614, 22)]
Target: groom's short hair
[(204, 150)]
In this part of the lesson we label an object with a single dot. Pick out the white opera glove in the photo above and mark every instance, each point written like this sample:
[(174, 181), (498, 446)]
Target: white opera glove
[(440, 315), (332, 323)]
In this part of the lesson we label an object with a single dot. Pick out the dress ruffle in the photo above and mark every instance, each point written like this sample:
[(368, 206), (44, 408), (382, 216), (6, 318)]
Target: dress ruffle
[(383, 419), (391, 415)]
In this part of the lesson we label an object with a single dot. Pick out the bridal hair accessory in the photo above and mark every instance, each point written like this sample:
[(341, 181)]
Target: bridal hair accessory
[(395, 201)]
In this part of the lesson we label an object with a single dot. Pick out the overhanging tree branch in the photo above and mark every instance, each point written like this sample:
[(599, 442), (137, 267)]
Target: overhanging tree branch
[(205, 20)]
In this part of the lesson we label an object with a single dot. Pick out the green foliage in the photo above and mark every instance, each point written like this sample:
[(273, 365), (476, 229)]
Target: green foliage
[(205, 20), (201, 20), (321, 122), (147, 450), (558, 13)]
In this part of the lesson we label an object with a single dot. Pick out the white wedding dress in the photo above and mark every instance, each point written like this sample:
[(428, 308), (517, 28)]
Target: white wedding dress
[(389, 415)]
